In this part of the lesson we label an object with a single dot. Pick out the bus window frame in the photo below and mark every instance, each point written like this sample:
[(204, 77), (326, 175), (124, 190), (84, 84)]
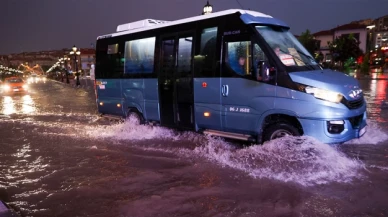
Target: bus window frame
[(227, 71)]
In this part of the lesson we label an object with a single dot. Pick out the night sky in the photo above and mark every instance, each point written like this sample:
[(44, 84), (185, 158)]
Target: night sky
[(34, 25)]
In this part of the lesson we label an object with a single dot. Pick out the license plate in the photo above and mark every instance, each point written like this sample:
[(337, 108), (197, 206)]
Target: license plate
[(15, 90), (362, 132)]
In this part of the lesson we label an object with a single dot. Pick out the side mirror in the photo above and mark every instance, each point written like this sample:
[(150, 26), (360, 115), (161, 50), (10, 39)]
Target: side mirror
[(264, 72), (261, 68)]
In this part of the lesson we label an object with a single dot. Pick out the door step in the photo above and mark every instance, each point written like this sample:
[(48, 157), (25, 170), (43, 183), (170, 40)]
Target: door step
[(114, 117), (238, 136)]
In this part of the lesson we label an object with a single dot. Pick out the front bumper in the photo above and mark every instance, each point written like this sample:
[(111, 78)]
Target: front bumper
[(15, 91), (354, 127)]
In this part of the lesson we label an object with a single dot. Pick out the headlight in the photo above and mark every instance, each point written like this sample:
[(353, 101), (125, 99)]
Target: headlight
[(25, 86), (324, 94), (6, 87)]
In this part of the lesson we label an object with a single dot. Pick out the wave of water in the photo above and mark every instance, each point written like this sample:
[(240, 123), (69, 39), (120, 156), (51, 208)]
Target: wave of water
[(130, 131), (374, 135), (302, 160)]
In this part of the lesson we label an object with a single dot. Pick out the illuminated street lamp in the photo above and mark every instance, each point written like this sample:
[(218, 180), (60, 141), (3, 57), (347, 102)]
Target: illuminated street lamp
[(76, 53), (207, 9)]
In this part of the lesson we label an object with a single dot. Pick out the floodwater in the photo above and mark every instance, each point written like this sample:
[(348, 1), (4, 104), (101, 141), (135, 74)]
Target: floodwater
[(58, 158)]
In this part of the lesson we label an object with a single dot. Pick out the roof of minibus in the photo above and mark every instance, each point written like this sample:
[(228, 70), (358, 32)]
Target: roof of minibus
[(250, 17)]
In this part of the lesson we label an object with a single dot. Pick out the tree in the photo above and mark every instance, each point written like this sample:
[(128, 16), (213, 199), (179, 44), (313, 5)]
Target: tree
[(319, 56), (344, 47), (308, 41), (365, 64)]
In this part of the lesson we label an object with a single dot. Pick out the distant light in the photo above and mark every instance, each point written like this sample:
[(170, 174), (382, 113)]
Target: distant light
[(206, 114), (101, 103), (208, 8), (371, 26), (118, 105)]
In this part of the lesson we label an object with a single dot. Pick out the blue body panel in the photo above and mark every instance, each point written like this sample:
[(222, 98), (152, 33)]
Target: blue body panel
[(207, 99), (313, 113), (246, 101), (328, 80), (141, 94), (109, 93)]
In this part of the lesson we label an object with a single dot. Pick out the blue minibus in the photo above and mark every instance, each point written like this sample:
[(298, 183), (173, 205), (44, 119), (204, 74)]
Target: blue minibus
[(236, 74)]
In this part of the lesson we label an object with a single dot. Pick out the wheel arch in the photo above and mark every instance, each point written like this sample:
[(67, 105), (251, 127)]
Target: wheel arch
[(275, 116), (134, 107)]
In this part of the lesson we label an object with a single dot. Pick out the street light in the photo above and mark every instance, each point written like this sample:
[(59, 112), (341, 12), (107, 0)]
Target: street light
[(76, 53), (207, 9)]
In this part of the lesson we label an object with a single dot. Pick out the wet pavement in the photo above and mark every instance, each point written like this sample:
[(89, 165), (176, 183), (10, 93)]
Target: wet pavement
[(58, 158)]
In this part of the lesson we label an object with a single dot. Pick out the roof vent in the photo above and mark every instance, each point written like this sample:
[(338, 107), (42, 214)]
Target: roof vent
[(139, 24)]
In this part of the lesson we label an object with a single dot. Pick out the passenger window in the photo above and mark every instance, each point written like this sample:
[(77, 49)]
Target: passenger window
[(184, 56), (113, 49), (139, 56), (109, 63), (238, 57), (205, 62)]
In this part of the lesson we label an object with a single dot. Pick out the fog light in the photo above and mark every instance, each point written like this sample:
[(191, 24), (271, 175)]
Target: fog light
[(335, 127)]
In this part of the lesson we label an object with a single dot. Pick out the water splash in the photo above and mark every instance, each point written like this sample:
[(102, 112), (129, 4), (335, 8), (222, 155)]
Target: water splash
[(129, 131), (302, 160), (374, 135)]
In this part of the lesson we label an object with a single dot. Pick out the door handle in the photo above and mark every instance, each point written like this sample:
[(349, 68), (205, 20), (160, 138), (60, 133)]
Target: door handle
[(225, 90)]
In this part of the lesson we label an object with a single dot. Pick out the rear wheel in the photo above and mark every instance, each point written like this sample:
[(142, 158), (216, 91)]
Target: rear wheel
[(135, 117), (279, 130)]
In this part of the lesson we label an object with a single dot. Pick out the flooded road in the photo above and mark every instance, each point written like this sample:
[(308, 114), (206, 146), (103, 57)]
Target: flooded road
[(57, 158)]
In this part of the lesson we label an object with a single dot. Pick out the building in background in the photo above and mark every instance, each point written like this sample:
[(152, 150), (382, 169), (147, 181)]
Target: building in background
[(4, 61), (323, 38), (87, 57), (45, 59), (359, 32), (381, 32), (356, 28)]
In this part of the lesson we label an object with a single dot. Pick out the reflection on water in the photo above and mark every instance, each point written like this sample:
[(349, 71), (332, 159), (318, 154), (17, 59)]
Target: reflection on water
[(8, 106), (376, 97), (15, 105), (28, 104)]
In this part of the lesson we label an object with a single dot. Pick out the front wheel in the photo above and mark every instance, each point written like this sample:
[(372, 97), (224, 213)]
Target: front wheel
[(135, 117), (279, 130)]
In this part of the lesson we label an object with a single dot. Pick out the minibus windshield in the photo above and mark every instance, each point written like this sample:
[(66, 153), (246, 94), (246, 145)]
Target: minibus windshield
[(288, 49)]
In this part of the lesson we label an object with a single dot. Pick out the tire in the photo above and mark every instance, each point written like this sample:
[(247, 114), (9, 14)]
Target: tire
[(279, 130), (136, 117)]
